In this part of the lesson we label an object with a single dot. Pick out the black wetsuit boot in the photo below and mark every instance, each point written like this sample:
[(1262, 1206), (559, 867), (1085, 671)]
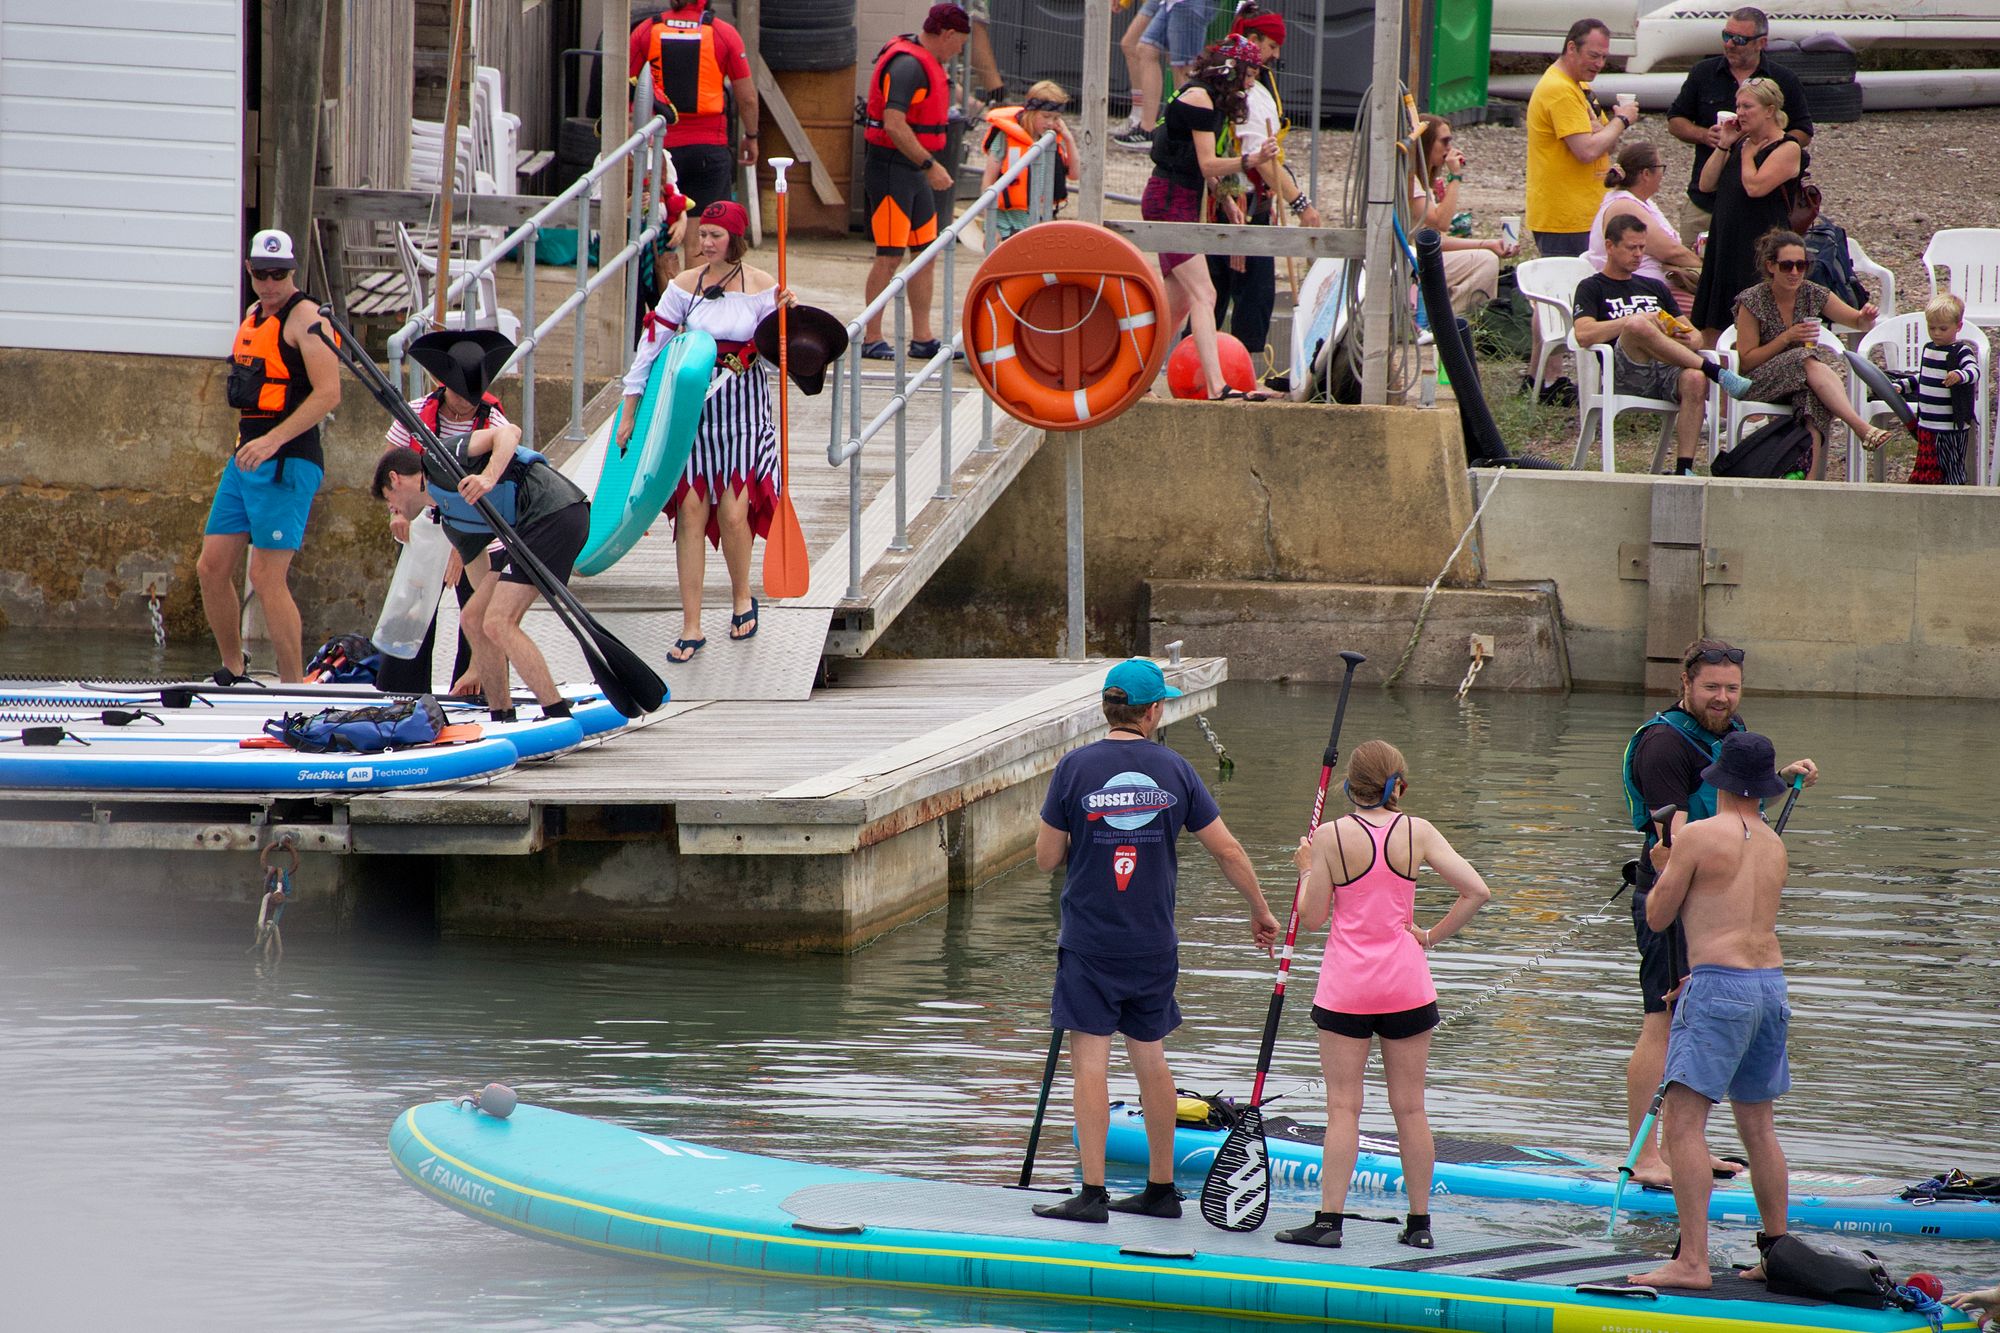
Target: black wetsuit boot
[(1092, 1204), (1323, 1231), (1156, 1200)]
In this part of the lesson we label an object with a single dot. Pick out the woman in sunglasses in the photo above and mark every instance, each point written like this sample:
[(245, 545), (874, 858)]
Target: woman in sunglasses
[(729, 491), (1778, 347), (1752, 164)]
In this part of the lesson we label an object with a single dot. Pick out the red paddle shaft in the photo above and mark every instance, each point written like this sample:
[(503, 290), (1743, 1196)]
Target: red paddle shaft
[(1328, 762)]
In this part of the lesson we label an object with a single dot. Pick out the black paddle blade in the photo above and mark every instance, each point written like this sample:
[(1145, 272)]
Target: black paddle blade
[(641, 686), (1237, 1193)]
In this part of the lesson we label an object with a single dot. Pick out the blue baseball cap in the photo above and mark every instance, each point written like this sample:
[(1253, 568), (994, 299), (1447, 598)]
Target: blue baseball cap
[(1142, 680)]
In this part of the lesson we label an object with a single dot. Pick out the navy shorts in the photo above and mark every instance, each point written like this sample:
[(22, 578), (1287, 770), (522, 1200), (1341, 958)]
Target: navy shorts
[(1728, 1038), (1662, 957), (557, 540), (1399, 1026), (1100, 996)]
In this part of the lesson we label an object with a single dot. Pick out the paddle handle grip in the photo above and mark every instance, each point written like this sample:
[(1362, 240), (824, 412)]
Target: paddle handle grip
[(1791, 799)]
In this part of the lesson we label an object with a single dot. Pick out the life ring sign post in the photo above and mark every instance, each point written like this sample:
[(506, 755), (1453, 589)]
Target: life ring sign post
[(1064, 323)]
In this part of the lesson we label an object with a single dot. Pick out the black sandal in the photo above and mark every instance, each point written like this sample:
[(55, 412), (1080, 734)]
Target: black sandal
[(742, 618), (687, 648), (1230, 393)]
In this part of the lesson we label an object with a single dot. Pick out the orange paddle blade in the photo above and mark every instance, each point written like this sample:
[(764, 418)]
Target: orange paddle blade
[(787, 566)]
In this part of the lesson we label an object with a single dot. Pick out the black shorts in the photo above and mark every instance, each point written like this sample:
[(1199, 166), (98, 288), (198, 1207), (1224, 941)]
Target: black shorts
[(1389, 1027), (1101, 995), (707, 173), (558, 540), (1662, 957), (901, 206)]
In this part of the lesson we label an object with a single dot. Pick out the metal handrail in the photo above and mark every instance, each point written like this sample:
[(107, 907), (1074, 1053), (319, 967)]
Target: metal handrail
[(464, 285), (1038, 162)]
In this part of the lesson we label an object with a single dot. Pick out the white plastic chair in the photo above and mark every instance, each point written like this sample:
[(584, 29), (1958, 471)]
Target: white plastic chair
[(1597, 397), (420, 271), (1741, 410), (1550, 286), (1970, 259), (1868, 268), (1902, 342)]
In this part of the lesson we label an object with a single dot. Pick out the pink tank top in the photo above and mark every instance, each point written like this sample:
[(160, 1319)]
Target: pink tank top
[(1373, 965)]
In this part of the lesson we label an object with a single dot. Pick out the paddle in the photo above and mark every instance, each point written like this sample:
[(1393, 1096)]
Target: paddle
[(787, 566), (1041, 1105), (632, 687), (1237, 1192), (1664, 817)]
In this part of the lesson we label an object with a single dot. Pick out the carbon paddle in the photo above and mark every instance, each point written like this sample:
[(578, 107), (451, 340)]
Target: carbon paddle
[(787, 564), (1237, 1192), (1041, 1105), (632, 687), (1664, 817)]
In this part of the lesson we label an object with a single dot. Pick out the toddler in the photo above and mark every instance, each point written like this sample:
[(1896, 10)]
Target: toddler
[(1945, 383)]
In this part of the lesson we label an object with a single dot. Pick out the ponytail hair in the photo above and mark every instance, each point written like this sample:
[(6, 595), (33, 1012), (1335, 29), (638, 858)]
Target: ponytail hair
[(1633, 158), (1371, 769)]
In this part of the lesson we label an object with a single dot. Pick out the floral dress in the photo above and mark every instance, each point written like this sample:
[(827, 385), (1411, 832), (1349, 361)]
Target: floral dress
[(1782, 379)]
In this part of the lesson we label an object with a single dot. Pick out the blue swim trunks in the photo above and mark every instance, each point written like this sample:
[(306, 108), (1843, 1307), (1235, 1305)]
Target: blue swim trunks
[(1181, 30), (1728, 1036), (1101, 995), (271, 510)]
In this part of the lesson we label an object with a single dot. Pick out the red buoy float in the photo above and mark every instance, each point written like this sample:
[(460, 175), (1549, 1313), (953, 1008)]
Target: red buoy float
[(1064, 325)]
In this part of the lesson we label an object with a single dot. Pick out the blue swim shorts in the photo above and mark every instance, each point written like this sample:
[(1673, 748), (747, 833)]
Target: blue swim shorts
[(1101, 995), (1181, 31), (1728, 1035), (272, 511)]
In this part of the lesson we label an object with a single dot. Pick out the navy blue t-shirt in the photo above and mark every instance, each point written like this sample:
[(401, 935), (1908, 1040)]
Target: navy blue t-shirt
[(1123, 804)]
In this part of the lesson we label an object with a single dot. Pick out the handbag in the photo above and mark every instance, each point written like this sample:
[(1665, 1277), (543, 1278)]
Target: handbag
[(1771, 451), (1802, 202)]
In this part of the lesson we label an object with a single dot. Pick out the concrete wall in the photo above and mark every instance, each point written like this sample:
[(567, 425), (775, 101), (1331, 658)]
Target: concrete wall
[(107, 467), (1844, 589), (1201, 491)]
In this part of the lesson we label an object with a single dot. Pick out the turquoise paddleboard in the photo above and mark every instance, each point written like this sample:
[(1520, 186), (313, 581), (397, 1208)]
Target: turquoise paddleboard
[(638, 479)]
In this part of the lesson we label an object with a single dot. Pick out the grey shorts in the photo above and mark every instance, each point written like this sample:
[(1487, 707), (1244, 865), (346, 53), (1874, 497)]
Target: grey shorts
[(1728, 1036), (1647, 379)]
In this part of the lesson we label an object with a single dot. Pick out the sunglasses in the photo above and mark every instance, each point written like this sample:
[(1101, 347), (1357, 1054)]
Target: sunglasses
[(1738, 39), (1714, 657), (270, 274), (1791, 265)]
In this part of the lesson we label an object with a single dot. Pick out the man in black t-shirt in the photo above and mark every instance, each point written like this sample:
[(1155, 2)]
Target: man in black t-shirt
[(1656, 353), (1710, 88)]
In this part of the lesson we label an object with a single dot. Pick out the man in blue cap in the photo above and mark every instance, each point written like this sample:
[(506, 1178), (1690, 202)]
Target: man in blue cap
[(1115, 810), (1722, 882)]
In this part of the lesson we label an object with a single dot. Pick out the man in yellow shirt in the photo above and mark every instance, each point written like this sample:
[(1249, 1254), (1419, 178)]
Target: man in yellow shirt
[(1570, 142)]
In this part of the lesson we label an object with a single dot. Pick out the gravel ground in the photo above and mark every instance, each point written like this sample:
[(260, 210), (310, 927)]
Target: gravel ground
[(1891, 179)]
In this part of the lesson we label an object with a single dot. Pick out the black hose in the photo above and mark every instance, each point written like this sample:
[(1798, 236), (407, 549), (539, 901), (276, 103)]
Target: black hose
[(1483, 445)]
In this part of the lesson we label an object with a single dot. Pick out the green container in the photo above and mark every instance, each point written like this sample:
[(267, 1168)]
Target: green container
[(1461, 55)]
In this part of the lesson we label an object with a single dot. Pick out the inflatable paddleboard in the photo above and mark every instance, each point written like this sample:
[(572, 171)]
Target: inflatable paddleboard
[(1820, 1200), (1322, 301), (592, 712), (534, 738), (120, 763), (638, 480), (647, 1197)]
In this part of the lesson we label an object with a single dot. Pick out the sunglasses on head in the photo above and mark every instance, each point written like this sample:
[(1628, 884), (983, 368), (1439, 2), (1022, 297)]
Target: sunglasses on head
[(1738, 39), (269, 274), (1791, 265), (1714, 657)]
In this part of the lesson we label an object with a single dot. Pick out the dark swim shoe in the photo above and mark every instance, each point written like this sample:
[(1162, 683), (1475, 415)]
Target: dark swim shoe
[(1092, 1205), (1320, 1232), (1416, 1237), (1154, 1201)]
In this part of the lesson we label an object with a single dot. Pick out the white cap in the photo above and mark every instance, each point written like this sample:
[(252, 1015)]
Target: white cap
[(271, 249)]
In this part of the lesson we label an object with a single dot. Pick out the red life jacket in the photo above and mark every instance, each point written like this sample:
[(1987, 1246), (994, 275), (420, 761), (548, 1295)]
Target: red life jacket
[(929, 114), (433, 409), (686, 71), (1006, 120)]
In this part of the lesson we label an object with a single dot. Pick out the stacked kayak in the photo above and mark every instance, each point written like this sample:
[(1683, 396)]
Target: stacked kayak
[(601, 1187), (1819, 1199), (81, 736)]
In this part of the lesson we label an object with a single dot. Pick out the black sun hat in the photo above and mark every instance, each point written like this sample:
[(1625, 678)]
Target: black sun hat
[(1746, 766), (463, 360), (816, 337)]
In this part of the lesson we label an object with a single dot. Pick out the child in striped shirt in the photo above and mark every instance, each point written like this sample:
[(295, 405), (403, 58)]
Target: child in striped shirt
[(1947, 379)]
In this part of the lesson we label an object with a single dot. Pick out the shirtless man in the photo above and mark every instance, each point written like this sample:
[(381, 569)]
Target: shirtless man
[(1722, 882)]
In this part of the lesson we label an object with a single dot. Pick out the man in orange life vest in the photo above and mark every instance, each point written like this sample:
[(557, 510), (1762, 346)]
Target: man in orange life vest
[(908, 114), (695, 56), (284, 380)]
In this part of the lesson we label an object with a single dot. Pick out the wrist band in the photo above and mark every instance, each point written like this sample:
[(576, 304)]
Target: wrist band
[(1449, 177), (1300, 204)]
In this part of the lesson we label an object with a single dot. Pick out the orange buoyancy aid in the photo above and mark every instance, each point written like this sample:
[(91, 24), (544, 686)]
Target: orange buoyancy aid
[(267, 375), (929, 115), (686, 71), (1006, 120)]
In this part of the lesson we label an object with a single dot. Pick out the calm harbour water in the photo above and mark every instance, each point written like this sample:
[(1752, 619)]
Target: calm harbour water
[(194, 1140)]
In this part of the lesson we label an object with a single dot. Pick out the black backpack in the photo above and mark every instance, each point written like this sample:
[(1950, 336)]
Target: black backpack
[(1823, 1271), (1772, 450), (1832, 266)]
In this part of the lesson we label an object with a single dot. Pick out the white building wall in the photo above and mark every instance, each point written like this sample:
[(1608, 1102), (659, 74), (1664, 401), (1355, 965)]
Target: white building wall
[(121, 161)]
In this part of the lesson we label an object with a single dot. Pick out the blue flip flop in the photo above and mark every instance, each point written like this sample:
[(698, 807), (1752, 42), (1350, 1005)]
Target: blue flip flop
[(742, 618), (689, 647)]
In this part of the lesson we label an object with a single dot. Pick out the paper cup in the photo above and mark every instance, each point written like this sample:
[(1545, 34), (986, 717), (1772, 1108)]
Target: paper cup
[(1510, 230), (1725, 118), (1629, 99)]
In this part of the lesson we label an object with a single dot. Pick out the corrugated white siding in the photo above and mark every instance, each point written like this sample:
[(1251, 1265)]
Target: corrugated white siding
[(121, 161)]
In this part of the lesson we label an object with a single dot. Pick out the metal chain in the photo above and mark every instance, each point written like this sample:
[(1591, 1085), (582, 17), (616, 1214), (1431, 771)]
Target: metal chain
[(1472, 672), (159, 620), (1222, 758), (950, 848)]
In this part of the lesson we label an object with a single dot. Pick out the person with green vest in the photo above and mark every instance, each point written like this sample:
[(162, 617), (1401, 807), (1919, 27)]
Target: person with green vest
[(1663, 766)]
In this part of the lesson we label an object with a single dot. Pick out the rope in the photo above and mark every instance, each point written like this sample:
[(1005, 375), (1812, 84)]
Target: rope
[(1096, 301), (1424, 608)]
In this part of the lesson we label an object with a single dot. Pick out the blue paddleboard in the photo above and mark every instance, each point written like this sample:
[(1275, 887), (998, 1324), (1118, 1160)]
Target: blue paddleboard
[(638, 479)]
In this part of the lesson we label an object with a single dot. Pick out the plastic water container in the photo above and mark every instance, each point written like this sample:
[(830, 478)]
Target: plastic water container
[(414, 590)]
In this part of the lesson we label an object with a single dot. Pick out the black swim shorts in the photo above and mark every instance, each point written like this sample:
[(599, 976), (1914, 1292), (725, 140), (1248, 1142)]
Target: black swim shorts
[(1399, 1026)]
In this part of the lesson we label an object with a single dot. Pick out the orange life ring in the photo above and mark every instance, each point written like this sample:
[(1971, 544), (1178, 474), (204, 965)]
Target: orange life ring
[(1063, 325)]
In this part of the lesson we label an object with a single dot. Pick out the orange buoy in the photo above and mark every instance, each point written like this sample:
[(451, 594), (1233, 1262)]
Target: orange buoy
[(1184, 377), (1064, 325)]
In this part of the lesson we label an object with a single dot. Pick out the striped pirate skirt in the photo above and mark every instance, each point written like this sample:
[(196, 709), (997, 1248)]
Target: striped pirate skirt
[(735, 450)]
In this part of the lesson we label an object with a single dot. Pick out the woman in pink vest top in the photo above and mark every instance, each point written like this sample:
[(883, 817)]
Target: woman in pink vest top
[(1375, 980)]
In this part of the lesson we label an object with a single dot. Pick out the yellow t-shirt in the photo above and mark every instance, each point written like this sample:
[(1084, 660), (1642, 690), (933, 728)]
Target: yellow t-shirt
[(1563, 193)]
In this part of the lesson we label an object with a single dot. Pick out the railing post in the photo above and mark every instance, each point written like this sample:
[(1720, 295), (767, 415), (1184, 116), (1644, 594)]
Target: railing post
[(577, 321), (1073, 538), (528, 249), (902, 540), (854, 472), (986, 445), (642, 186), (947, 336)]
